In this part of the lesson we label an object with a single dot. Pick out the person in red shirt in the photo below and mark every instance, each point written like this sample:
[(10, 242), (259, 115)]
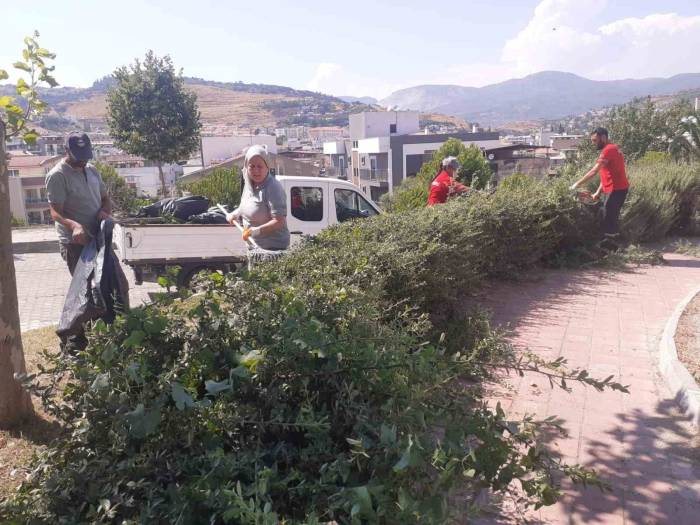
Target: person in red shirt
[(444, 184), (613, 181)]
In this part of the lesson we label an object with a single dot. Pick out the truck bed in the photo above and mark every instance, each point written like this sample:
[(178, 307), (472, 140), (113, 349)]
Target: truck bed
[(158, 243)]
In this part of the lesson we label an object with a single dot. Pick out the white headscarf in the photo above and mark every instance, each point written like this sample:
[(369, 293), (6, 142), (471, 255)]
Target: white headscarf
[(256, 150)]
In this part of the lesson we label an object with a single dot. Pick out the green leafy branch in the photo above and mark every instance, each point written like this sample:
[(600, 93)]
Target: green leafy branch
[(16, 114)]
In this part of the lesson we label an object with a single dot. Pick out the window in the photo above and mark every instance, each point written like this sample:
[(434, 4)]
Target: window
[(351, 205), (354, 144), (307, 203), (392, 128), (13, 173)]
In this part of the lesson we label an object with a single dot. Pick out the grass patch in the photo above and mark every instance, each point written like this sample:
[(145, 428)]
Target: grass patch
[(632, 255), (17, 446), (686, 247)]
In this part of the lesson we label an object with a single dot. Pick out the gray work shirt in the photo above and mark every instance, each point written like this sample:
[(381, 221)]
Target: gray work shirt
[(80, 192), (259, 205)]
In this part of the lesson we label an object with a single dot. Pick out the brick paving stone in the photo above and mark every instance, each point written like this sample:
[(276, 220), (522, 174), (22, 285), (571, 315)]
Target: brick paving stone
[(42, 284), (611, 323)]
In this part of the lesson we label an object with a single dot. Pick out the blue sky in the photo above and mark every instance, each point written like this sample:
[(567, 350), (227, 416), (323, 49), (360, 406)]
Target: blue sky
[(364, 47)]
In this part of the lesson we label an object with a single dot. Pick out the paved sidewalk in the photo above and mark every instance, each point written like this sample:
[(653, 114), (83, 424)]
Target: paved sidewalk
[(610, 323), (42, 284)]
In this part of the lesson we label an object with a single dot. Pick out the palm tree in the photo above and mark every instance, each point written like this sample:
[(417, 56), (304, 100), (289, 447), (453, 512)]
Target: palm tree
[(686, 142)]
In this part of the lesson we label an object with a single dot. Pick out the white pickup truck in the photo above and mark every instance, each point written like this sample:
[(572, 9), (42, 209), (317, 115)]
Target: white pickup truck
[(312, 203)]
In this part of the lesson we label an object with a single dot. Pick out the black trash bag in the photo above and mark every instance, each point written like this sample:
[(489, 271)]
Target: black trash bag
[(98, 290), (184, 207), (155, 209), (213, 215)]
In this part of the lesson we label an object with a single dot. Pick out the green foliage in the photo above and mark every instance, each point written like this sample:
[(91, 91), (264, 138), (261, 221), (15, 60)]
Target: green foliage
[(15, 115), (685, 144), (222, 186), (151, 114), (663, 199), (641, 127), (123, 196), (413, 192), (342, 382), (17, 223)]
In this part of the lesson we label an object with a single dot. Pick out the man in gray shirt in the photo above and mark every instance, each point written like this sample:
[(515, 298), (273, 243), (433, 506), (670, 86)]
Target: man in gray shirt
[(78, 198)]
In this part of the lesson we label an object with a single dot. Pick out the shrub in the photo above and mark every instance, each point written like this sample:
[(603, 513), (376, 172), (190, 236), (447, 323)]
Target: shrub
[(222, 186), (17, 223), (123, 196), (663, 199), (430, 257), (268, 401), (343, 382)]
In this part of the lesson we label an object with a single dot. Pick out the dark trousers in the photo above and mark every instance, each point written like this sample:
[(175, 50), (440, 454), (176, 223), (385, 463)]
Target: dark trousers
[(613, 205), (71, 254)]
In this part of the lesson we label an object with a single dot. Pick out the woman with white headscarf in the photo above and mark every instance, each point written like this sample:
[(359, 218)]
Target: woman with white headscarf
[(263, 208)]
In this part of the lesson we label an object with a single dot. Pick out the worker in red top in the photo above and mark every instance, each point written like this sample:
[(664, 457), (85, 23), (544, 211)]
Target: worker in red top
[(444, 184), (613, 181)]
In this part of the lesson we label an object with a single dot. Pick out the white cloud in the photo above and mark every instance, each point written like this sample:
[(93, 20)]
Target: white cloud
[(325, 72), (562, 36)]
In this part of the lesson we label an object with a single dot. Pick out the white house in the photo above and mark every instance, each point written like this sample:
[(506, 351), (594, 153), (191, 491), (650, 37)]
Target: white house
[(146, 179), (221, 148)]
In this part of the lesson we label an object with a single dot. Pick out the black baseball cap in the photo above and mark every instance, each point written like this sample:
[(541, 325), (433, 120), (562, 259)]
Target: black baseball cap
[(79, 146)]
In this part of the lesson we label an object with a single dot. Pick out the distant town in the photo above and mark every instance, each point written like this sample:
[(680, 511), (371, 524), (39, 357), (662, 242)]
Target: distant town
[(376, 151)]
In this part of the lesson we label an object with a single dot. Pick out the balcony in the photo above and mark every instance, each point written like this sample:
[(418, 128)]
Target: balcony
[(32, 203), (375, 175), (336, 172)]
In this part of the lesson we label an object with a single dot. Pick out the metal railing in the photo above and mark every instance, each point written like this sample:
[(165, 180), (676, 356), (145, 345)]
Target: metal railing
[(375, 175), (333, 171)]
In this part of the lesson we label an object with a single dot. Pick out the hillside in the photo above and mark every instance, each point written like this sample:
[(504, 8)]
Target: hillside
[(223, 105), (545, 95)]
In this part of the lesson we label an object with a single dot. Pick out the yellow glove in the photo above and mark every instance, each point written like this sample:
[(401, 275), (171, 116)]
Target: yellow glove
[(250, 232)]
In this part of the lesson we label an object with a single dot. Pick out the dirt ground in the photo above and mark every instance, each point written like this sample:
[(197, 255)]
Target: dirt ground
[(18, 445), (688, 338)]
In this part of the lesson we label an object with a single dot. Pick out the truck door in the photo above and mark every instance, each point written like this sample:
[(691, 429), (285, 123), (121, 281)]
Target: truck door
[(349, 204), (308, 207)]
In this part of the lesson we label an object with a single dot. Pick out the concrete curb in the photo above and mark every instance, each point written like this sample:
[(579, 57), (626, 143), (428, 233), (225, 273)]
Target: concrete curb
[(35, 247), (682, 384)]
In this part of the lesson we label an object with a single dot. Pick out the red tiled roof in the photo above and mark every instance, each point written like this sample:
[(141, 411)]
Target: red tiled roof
[(26, 161)]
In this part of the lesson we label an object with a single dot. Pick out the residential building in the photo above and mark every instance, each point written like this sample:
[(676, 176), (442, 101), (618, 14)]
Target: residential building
[(145, 179), (532, 160), (566, 144), (385, 148), (28, 200), (322, 134), (221, 148), (297, 133)]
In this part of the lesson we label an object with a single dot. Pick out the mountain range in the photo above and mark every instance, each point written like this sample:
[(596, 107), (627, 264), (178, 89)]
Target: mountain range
[(544, 95), (224, 106)]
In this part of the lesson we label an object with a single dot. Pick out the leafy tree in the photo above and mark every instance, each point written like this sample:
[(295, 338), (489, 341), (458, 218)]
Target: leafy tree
[(123, 196), (15, 115), (223, 186), (413, 192), (685, 144), (151, 114)]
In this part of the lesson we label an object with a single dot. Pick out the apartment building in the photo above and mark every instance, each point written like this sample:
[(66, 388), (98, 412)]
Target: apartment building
[(27, 175)]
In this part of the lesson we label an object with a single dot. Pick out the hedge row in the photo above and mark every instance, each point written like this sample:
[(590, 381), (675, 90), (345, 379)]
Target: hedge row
[(342, 383)]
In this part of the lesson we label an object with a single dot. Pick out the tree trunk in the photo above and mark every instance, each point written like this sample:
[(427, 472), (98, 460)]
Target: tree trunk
[(163, 189), (15, 403)]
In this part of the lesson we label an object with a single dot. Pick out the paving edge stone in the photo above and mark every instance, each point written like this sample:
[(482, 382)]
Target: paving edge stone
[(682, 384)]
